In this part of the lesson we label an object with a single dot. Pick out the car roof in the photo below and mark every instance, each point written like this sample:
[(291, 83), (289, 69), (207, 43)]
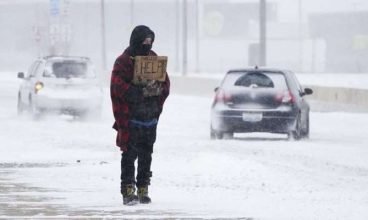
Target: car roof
[(79, 58), (257, 69)]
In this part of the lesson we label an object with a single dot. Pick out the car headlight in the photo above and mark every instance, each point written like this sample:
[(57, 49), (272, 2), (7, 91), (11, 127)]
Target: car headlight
[(38, 86)]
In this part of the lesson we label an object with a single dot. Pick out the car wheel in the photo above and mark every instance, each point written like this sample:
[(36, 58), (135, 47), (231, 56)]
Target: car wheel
[(228, 135), (20, 107), (216, 134), (33, 110), (212, 134), (90, 115), (219, 135), (29, 106), (297, 133), (306, 131)]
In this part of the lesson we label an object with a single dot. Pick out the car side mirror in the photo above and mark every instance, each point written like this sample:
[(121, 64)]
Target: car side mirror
[(21, 75), (308, 91)]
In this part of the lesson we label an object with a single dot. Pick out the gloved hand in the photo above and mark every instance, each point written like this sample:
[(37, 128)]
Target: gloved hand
[(153, 88)]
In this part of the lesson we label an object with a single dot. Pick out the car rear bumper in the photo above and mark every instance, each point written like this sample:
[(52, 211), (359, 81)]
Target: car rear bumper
[(270, 121)]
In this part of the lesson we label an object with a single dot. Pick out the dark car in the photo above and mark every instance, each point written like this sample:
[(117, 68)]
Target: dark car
[(260, 100)]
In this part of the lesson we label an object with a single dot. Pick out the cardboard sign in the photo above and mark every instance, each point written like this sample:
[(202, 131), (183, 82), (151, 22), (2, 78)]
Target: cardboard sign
[(149, 68)]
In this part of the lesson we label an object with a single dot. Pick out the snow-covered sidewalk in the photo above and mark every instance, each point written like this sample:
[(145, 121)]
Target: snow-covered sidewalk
[(58, 167), (73, 168)]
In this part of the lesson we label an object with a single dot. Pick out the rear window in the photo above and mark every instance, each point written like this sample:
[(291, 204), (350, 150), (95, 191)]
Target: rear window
[(68, 69), (271, 80)]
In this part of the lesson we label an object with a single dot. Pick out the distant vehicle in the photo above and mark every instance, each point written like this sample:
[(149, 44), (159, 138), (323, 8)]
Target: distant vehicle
[(260, 100), (60, 84)]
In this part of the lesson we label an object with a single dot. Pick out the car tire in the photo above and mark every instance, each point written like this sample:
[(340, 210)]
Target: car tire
[(216, 134), (228, 135), (20, 106), (29, 106), (212, 134), (306, 131), (219, 135), (33, 110), (297, 133), (91, 115)]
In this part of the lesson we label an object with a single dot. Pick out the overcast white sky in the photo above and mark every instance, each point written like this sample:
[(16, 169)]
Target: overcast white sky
[(289, 9), (119, 25)]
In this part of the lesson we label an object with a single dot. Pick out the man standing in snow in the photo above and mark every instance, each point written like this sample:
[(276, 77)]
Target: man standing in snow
[(136, 109)]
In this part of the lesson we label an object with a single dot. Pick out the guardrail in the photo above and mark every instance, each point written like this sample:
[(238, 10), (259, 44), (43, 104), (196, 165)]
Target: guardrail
[(337, 98)]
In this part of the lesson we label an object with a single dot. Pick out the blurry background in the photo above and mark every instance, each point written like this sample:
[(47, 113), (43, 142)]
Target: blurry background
[(204, 36)]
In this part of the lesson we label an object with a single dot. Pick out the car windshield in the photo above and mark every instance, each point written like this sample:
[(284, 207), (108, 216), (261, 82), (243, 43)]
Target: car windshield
[(273, 80), (68, 69)]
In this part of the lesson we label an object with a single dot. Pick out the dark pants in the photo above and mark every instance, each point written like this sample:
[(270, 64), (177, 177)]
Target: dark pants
[(140, 146)]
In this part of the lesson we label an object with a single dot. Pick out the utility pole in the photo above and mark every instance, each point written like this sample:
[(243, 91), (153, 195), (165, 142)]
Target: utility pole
[(177, 36), (131, 13), (262, 33), (197, 37), (300, 21), (185, 38), (103, 37)]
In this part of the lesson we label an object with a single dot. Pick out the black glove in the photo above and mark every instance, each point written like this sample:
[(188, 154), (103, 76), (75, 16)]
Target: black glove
[(134, 94), (153, 88)]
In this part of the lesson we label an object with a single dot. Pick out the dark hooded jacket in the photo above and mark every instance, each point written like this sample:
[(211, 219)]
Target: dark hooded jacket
[(128, 102)]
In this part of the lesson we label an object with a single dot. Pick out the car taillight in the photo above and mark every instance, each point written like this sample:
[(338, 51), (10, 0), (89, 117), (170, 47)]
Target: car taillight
[(285, 97), (38, 86), (222, 96)]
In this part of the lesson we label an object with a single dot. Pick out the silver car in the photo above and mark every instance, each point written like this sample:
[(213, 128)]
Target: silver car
[(60, 84)]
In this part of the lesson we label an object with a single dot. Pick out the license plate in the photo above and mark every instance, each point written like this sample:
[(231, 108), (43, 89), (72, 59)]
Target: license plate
[(252, 117)]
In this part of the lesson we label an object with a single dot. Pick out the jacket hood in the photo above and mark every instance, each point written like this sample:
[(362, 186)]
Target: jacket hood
[(139, 34)]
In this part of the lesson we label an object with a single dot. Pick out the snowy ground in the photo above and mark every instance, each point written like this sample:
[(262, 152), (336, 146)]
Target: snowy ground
[(61, 167)]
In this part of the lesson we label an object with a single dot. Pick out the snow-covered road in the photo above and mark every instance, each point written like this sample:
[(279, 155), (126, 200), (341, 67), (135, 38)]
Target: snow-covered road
[(62, 167)]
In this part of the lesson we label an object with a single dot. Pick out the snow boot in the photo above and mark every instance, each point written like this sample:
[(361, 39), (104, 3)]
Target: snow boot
[(129, 197), (143, 195)]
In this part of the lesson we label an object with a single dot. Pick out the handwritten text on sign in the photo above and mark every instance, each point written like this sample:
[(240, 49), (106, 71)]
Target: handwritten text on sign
[(149, 68)]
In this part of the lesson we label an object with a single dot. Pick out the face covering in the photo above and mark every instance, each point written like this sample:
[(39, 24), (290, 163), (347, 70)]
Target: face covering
[(145, 48)]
